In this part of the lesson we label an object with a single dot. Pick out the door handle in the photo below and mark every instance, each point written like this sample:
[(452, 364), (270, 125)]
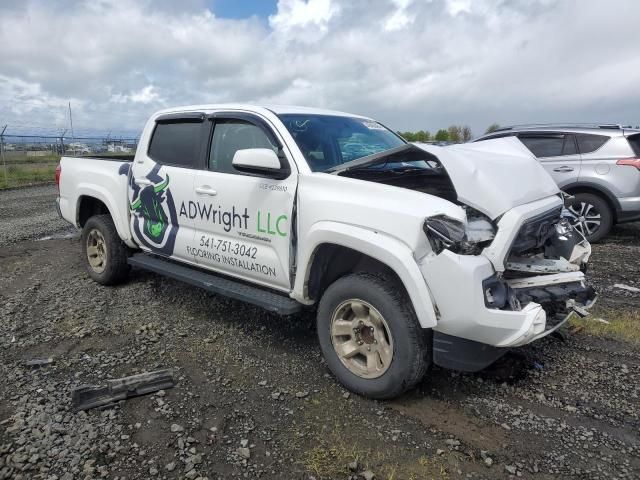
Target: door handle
[(143, 181), (206, 190), (564, 168)]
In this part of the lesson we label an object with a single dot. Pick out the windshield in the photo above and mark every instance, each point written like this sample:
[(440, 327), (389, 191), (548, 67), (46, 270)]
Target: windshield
[(327, 141)]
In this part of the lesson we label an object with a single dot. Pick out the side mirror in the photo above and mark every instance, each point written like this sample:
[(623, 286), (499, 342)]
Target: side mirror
[(261, 161)]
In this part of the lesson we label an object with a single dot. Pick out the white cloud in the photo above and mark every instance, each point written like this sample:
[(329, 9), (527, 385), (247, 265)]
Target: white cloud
[(420, 64), (146, 95), (304, 18), (400, 18)]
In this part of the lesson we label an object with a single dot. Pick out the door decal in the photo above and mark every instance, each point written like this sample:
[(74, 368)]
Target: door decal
[(155, 222)]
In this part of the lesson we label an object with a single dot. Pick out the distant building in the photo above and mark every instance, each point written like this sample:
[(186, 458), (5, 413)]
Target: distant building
[(78, 147), (114, 148)]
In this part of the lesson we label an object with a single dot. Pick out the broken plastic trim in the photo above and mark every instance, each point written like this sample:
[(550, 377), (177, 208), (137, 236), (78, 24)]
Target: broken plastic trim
[(498, 294), (115, 390), (550, 246)]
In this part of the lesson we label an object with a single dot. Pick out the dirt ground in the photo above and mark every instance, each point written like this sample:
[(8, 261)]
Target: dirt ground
[(254, 398)]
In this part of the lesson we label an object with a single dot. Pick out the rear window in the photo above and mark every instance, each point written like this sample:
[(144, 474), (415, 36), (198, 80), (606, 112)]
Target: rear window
[(176, 143), (588, 143), (549, 145), (634, 141)]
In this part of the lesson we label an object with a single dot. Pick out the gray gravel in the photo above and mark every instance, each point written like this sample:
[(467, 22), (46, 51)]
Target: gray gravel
[(29, 213), (254, 399)]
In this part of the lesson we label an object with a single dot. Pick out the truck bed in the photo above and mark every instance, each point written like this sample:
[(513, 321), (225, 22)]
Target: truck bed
[(117, 158), (101, 178)]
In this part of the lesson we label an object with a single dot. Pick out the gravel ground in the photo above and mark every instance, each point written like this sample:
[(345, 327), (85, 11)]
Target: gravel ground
[(254, 399), (29, 213)]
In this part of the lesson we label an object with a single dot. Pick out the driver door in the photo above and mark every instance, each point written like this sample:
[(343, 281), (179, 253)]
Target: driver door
[(243, 222)]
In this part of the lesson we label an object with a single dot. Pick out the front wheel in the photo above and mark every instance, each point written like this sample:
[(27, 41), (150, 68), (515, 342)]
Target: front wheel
[(370, 336), (104, 254), (591, 216)]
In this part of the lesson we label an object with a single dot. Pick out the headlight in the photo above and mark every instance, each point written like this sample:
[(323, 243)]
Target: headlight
[(467, 239)]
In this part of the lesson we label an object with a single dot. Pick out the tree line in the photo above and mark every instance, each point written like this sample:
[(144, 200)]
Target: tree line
[(453, 134)]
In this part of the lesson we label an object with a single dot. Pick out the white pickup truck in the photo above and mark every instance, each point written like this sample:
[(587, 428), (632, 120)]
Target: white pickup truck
[(412, 254)]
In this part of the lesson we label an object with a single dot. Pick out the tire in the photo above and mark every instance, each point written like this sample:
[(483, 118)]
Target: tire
[(588, 209), (410, 347), (103, 253)]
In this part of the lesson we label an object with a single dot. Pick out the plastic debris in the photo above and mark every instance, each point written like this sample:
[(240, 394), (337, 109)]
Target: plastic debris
[(92, 396), (628, 288)]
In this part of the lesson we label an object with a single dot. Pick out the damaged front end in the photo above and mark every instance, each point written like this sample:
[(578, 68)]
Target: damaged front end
[(541, 267), (520, 296)]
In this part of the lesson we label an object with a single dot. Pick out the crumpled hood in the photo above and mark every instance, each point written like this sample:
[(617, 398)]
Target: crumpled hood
[(494, 176)]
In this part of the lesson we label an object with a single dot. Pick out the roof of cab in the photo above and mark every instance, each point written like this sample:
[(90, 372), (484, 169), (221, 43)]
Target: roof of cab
[(277, 109)]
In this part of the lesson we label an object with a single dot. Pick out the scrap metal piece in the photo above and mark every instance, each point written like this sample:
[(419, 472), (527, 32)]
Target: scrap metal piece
[(39, 362), (628, 288), (92, 396), (582, 313)]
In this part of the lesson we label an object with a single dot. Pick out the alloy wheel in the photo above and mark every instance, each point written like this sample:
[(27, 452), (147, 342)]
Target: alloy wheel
[(361, 338), (96, 251), (586, 218)]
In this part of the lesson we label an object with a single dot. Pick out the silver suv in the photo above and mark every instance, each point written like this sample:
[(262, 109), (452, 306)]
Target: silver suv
[(598, 164)]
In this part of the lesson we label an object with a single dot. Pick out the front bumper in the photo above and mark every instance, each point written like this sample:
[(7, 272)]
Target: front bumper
[(456, 284), (470, 336), (629, 210)]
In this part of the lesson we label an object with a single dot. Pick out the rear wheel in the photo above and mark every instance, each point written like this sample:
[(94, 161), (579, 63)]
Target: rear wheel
[(370, 336), (592, 216), (104, 254)]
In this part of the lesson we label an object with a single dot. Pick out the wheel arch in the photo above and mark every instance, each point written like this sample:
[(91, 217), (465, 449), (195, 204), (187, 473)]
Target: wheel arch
[(96, 201), (595, 189), (334, 250), (88, 206)]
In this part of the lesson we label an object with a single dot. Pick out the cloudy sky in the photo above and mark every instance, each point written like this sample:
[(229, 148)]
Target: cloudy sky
[(413, 64)]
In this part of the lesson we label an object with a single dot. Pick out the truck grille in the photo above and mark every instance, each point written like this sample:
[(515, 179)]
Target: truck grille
[(535, 231)]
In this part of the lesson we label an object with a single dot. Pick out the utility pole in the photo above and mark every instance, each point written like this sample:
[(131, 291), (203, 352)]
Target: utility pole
[(73, 139), (62, 149), (4, 161)]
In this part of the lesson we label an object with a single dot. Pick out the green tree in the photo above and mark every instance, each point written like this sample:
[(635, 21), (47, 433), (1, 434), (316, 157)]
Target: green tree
[(423, 136), (492, 128), (441, 135), (408, 136), (466, 133), (455, 133)]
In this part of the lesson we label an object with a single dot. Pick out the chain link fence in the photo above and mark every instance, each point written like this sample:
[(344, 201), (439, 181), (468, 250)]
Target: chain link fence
[(29, 159)]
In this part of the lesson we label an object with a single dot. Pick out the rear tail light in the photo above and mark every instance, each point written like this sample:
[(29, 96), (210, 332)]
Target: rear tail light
[(632, 162), (58, 173)]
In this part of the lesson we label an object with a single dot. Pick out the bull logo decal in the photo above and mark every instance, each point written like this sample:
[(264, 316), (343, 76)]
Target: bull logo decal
[(149, 206), (154, 217)]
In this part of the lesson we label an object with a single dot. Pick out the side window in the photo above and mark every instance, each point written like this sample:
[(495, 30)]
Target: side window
[(549, 145), (588, 143), (176, 143), (231, 135)]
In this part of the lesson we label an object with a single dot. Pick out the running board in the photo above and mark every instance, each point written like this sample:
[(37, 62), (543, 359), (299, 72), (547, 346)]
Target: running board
[(269, 300)]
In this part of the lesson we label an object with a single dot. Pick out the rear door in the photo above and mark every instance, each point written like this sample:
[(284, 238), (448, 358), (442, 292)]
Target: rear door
[(161, 185), (244, 223), (557, 152)]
